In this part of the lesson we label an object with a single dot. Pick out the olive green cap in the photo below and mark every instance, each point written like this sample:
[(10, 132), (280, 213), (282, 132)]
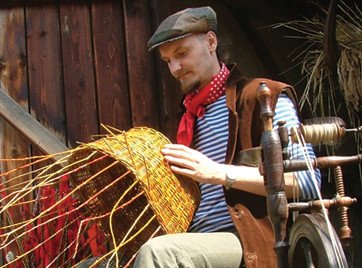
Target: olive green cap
[(182, 24)]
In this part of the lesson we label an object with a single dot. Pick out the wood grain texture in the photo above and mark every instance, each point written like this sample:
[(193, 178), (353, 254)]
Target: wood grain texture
[(78, 71), (46, 96), (13, 77), (144, 96), (111, 64), (29, 127)]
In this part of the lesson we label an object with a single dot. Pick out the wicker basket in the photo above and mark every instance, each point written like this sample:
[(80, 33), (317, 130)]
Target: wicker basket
[(124, 178)]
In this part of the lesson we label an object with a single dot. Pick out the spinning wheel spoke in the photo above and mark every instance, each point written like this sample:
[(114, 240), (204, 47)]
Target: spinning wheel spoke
[(307, 249), (312, 246)]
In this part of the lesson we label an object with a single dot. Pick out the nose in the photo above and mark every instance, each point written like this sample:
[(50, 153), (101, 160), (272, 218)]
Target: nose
[(175, 67)]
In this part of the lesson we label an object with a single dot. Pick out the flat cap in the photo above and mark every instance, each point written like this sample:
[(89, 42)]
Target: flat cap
[(184, 23)]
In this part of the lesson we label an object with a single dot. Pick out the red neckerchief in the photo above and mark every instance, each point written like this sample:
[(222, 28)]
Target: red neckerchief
[(195, 103)]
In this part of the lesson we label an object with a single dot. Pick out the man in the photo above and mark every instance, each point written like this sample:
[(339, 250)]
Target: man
[(216, 128)]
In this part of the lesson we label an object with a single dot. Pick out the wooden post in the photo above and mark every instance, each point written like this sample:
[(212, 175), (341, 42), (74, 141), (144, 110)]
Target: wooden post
[(35, 132), (277, 204)]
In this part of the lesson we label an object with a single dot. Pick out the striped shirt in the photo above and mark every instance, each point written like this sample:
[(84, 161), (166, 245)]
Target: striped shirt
[(210, 138), (285, 110)]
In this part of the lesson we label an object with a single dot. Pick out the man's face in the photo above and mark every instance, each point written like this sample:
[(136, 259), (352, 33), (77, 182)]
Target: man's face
[(190, 60)]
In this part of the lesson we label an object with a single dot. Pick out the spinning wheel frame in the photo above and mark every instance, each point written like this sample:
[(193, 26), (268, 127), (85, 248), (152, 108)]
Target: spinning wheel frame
[(311, 234), (311, 244)]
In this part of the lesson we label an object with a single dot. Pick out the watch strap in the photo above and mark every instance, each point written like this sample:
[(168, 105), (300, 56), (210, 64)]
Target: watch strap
[(229, 181)]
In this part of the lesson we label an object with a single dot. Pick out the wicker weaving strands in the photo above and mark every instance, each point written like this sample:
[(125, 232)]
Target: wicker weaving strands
[(107, 199)]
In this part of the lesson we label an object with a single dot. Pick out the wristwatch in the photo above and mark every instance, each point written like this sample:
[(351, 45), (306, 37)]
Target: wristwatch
[(230, 179)]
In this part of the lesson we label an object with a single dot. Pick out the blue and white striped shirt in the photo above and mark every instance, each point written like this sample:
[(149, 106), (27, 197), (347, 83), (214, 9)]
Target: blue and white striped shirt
[(210, 138), (285, 110)]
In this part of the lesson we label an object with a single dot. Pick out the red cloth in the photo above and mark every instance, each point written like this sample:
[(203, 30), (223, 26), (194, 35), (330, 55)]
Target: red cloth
[(57, 250), (195, 103)]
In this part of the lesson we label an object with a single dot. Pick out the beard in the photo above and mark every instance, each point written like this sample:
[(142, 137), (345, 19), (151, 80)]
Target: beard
[(188, 87)]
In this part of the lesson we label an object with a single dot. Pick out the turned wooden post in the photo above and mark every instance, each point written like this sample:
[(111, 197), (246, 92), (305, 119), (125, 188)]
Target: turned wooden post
[(277, 204)]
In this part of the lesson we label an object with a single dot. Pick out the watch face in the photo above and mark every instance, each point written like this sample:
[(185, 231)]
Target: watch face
[(230, 178), (232, 175)]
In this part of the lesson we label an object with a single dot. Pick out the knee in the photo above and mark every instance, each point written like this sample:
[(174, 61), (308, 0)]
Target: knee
[(151, 254), (149, 248)]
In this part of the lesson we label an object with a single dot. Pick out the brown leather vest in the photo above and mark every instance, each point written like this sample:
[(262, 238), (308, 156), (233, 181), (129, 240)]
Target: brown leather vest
[(248, 211)]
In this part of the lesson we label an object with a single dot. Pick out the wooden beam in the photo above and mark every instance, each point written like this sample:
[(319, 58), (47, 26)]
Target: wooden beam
[(34, 131)]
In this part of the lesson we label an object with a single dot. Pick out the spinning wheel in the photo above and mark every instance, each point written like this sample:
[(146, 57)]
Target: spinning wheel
[(312, 246), (312, 240)]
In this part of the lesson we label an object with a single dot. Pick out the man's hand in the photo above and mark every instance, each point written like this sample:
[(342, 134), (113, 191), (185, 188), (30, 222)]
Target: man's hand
[(191, 163)]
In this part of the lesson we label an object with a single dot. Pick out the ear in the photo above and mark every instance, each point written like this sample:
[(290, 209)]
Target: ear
[(211, 41)]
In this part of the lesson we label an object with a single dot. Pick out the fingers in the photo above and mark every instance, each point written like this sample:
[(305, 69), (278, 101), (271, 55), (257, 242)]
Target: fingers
[(179, 159), (178, 148), (180, 154), (182, 171), (182, 159), (186, 161)]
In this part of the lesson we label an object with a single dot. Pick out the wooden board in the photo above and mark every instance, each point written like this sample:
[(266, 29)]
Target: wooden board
[(143, 90), (28, 126), (13, 77), (45, 67), (78, 71), (111, 64)]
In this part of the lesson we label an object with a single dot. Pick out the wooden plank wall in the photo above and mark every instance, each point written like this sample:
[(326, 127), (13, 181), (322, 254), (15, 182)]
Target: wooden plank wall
[(74, 65), (14, 81)]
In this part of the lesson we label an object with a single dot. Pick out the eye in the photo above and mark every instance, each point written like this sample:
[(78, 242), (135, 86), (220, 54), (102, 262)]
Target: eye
[(181, 54), (166, 60), (2, 65)]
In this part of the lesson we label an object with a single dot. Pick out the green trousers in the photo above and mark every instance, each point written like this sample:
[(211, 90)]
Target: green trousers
[(188, 250)]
